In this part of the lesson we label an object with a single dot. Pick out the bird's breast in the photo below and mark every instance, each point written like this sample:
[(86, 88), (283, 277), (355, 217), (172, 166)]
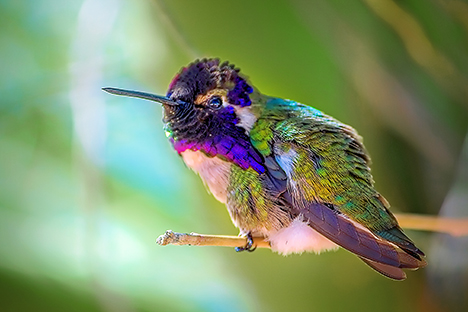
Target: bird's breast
[(213, 171)]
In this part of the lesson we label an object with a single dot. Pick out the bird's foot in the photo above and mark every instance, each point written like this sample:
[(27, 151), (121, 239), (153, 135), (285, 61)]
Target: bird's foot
[(249, 246)]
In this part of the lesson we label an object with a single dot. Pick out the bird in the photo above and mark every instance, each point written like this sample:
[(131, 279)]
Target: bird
[(286, 171)]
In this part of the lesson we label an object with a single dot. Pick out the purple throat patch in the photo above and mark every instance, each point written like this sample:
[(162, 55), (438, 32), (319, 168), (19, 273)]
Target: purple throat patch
[(227, 147)]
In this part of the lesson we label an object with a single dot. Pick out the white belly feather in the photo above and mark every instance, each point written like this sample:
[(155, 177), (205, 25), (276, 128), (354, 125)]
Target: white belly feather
[(299, 237), (213, 171)]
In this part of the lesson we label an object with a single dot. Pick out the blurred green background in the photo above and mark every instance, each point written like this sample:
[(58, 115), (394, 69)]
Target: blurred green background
[(88, 181)]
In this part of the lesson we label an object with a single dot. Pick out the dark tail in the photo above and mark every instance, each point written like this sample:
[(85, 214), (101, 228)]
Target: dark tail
[(386, 270), (381, 254)]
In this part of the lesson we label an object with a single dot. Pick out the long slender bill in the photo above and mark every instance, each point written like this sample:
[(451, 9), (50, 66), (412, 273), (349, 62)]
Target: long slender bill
[(141, 95)]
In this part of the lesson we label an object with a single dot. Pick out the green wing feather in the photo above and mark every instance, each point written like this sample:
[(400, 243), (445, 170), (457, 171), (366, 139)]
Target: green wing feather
[(318, 167), (329, 165)]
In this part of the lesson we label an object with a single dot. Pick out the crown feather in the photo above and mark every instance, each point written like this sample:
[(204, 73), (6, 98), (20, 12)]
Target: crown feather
[(205, 75)]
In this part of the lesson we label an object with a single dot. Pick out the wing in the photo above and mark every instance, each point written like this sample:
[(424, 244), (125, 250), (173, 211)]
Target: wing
[(380, 254), (329, 183)]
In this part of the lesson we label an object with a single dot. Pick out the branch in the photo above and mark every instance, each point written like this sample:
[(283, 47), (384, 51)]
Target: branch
[(173, 238), (454, 227)]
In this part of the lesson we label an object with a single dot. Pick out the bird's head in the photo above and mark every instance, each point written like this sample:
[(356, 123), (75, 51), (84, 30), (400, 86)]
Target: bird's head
[(207, 105)]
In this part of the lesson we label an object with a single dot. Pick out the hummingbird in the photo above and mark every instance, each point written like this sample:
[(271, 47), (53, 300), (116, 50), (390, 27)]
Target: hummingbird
[(285, 171)]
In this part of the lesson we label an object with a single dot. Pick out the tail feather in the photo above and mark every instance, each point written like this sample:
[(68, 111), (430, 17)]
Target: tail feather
[(396, 236), (379, 253), (386, 270)]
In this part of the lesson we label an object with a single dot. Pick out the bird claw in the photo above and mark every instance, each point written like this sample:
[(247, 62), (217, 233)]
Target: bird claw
[(249, 246)]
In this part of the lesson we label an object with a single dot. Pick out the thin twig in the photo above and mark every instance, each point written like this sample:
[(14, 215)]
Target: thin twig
[(454, 227), (173, 238)]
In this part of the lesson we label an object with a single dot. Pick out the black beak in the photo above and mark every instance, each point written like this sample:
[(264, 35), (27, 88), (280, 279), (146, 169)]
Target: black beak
[(142, 95)]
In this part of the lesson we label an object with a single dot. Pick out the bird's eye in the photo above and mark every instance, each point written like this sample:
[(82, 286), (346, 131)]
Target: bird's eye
[(215, 102)]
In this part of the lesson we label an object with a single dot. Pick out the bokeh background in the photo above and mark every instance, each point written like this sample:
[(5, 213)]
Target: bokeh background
[(88, 180)]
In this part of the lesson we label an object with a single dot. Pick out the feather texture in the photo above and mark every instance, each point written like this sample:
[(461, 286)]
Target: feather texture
[(330, 185), (286, 171)]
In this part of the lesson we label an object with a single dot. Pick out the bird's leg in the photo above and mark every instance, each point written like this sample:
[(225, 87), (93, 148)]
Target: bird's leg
[(249, 245)]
